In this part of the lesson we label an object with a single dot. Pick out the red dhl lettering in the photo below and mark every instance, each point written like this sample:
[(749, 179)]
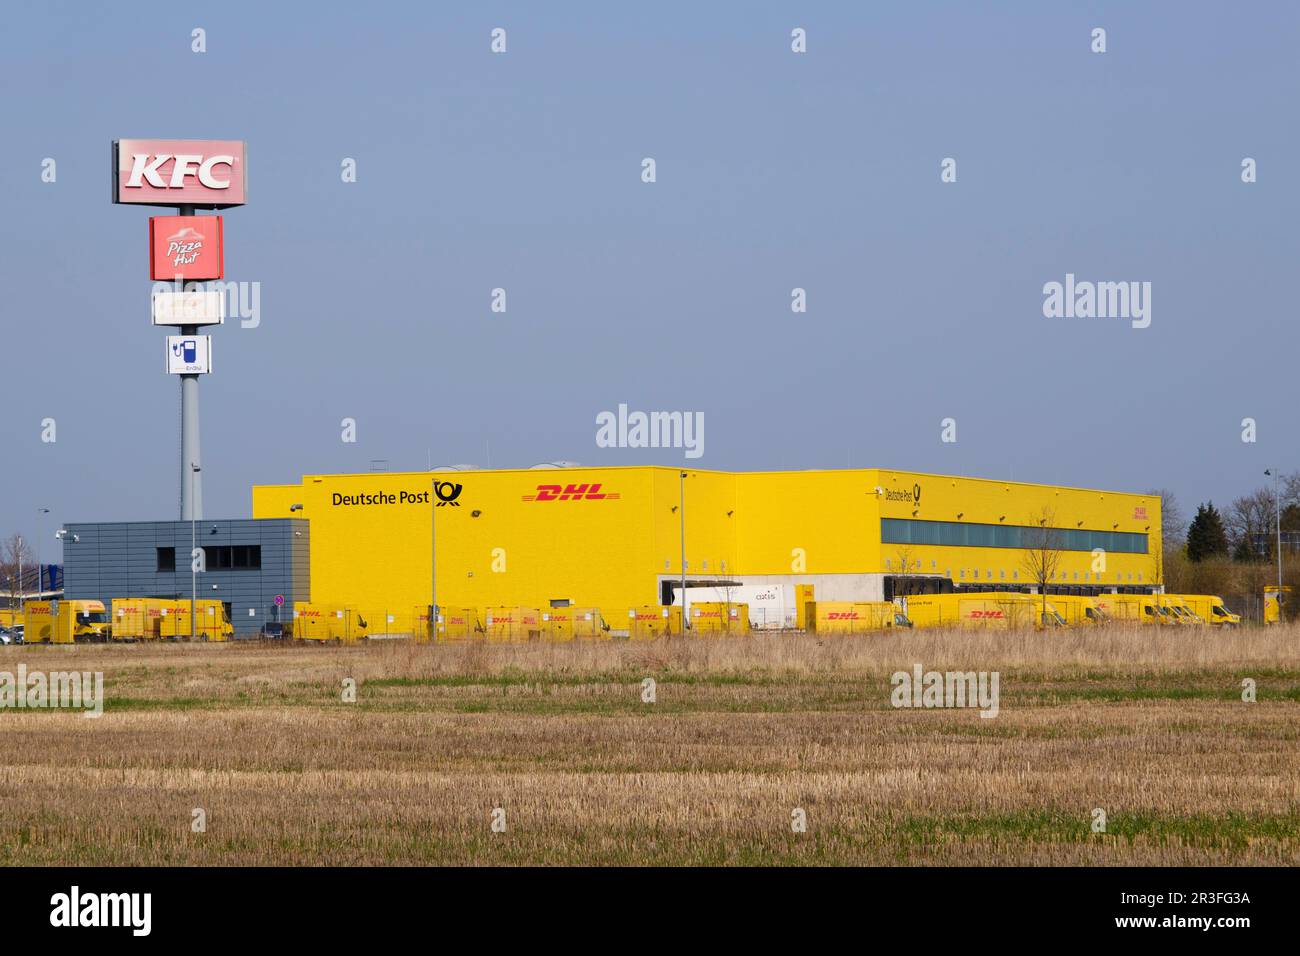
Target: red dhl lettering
[(583, 492), (842, 616), (986, 614)]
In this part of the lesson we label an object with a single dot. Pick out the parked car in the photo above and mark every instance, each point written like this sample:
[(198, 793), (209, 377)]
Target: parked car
[(16, 634)]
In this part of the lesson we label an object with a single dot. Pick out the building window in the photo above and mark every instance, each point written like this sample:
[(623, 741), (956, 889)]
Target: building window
[(962, 534), (166, 559), (239, 557)]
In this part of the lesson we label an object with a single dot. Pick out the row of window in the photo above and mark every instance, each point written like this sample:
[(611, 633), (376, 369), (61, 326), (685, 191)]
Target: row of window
[(961, 534), (225, 557), (1001, 575)]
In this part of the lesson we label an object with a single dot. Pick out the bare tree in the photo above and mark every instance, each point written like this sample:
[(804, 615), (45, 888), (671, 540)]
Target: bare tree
[(1043, 543), (1173, 522), (1158, 561), (905, 563), (1248, 516), (15, 556), (1291, 489)]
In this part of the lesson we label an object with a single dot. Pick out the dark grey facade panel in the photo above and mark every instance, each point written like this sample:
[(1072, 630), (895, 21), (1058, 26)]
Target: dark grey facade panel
[(120, 560)]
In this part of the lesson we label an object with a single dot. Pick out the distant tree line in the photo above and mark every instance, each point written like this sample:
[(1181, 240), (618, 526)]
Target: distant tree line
[(1233, 551)]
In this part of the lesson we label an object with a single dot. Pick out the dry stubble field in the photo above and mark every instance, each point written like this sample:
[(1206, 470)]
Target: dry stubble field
[(1149, 726)]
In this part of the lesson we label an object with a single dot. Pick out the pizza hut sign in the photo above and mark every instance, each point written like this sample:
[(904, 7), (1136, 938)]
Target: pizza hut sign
[(204, 173)]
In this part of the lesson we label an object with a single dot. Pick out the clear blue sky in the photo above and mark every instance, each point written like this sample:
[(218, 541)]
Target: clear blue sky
[(775, 170)]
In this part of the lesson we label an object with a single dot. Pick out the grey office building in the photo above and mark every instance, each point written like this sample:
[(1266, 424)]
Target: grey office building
[(249, 563)]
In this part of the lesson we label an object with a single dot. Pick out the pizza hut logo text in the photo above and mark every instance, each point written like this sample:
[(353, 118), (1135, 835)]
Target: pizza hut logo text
[(582, 492), (447, 493)]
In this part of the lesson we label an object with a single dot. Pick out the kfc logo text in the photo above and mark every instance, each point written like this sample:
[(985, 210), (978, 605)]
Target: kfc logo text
[(206, 174)]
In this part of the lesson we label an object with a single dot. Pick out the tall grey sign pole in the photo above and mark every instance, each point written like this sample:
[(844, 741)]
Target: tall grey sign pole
[(191, 457)]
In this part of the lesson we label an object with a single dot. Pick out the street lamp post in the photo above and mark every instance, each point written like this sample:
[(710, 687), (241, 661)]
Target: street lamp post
[(681, 507), (433, 559), (22, 591), (1277, 508), (194, 543), (40, 568)]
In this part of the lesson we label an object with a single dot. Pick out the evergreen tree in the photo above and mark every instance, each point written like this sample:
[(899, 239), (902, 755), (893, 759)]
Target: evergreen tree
[(1205, 535)]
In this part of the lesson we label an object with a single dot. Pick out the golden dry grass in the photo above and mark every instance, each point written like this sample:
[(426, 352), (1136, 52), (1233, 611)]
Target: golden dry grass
[(1146, 724)]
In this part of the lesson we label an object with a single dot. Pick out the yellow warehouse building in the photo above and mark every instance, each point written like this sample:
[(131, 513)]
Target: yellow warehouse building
[(613, 537)]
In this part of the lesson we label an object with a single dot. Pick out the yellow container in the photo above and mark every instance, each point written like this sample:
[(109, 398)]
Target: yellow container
[(1275, 603), (212, 622), (137, 619), (589, 624), (456, 624), (386, 622), (128, 617), (557, 624), (991, 610), (347, 624), (804, 595), (563, 624), (512, 624), (310, 621), (420, 630), (719, 618), (852, 617), (651, 621)]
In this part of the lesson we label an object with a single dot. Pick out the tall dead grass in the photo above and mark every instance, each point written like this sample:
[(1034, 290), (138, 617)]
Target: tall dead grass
[(1147, 725)]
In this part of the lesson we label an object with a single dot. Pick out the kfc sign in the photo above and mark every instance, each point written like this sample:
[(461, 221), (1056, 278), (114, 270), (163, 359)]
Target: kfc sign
[(185, 248), (209, 174)]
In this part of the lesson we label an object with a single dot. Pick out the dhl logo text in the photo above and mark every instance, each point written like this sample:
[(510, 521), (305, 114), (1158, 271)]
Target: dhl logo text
[(583, 492)]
